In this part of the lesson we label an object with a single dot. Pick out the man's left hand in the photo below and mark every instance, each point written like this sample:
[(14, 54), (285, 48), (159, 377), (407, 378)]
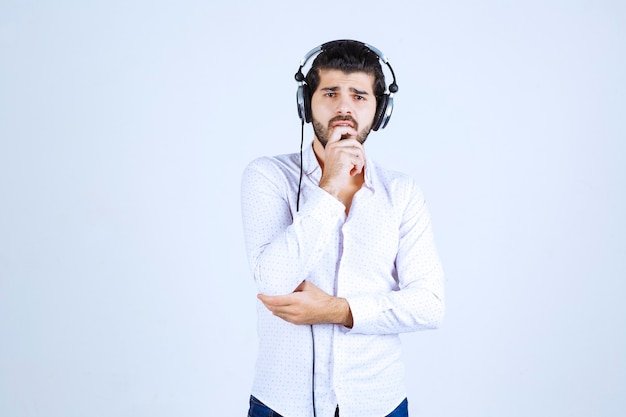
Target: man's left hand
[(308, 304)]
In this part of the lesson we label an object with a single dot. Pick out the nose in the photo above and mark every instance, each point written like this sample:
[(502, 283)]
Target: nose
[(344, 104)]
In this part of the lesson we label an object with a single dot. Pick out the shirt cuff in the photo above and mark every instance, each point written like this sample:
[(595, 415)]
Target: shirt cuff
[(364, 310), (320, 205)]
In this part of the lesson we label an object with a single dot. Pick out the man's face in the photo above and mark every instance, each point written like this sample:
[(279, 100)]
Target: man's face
[(342, 99)]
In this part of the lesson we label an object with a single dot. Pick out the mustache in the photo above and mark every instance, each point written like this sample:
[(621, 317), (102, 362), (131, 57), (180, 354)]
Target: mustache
[(344, 118)]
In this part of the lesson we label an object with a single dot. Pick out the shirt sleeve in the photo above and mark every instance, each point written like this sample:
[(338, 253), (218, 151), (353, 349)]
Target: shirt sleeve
[(283, 245), (418, 302)]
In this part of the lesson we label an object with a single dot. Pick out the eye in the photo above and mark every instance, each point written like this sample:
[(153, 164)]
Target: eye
[(359, 98), (330, 94)]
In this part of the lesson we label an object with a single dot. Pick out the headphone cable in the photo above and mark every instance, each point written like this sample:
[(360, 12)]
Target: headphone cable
[(300, 181), (313, 372), (312, 335)]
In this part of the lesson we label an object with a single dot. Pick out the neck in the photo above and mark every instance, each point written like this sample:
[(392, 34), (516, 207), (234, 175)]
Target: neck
[(319, 151)]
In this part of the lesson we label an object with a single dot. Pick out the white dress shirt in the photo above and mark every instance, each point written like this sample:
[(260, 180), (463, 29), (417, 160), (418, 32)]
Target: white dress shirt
[(381, 258)]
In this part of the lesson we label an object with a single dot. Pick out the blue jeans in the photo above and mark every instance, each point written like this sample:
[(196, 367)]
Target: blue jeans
[(258, 409)]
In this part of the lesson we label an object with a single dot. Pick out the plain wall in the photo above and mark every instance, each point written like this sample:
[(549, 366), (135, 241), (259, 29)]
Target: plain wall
[(124, 129)]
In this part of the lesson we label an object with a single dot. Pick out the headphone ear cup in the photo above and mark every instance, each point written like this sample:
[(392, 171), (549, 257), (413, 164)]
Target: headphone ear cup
[(308, 114), (303, 98), (300, 102), (380, 118), (387, 111)]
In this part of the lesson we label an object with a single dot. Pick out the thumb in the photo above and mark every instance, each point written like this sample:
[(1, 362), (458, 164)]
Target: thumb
[(301, 287)]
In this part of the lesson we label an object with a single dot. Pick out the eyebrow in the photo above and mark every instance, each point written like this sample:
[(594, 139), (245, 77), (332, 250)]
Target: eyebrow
[(352, 89)]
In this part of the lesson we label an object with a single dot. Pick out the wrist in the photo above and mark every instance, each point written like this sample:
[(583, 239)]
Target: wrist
[(330, 188), (344, 314)]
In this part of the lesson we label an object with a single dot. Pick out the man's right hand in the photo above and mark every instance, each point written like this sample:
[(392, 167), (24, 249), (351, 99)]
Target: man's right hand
[(344, 158)]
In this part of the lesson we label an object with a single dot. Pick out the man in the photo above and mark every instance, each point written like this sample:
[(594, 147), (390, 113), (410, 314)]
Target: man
[(342, 254)]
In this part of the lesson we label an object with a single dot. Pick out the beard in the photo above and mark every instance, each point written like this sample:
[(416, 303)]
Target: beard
[(322, 133)]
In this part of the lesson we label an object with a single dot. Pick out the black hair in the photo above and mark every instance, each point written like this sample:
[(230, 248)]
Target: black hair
[(347, 56)]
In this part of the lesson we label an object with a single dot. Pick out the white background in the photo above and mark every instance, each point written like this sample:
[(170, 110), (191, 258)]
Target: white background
[(124, 129)]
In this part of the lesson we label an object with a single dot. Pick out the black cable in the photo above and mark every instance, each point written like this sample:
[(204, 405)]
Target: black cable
[(313, 373), (301, 163), (298, 209)]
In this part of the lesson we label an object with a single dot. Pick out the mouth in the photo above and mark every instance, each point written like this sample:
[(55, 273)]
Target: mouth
[(343, 121)]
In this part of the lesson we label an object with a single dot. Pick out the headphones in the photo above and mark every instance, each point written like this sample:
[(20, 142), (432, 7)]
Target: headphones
[(384, 104)]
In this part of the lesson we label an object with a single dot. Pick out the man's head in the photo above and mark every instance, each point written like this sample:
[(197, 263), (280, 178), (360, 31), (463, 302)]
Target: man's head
[(343, 106), (346, 83), (347, 56)]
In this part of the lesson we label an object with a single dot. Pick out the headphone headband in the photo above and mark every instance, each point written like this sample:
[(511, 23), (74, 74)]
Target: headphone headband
[(303, 96)]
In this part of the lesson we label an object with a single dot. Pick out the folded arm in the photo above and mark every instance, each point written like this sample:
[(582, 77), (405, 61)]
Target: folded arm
[(283, 245)]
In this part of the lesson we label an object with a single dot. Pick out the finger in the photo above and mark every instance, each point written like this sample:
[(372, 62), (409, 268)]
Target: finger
[(360, 157), (284, 312), (351, 147), (273, 300), (358, 163), (356, 169), (278, 311), (342, 132)]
